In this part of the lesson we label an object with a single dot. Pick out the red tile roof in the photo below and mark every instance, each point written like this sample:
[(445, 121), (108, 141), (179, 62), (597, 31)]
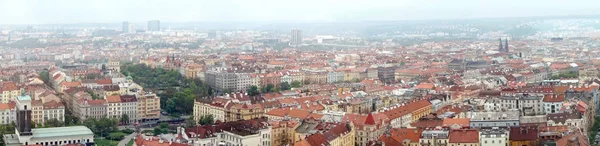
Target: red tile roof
[(554, 98), (464, 122), (104, 81), (113, 99), (464, 136), (523, 133)]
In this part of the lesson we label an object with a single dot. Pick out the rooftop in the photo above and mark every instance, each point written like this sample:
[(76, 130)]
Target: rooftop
[(60, 131)]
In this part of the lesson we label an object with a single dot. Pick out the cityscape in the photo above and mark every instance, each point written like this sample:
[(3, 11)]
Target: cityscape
[(491, 81)]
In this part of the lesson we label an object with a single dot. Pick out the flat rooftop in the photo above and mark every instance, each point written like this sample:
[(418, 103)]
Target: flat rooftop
[(60, 131)]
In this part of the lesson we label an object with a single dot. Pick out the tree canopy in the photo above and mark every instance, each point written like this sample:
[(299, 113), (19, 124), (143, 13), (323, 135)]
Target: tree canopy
[(176, 92)]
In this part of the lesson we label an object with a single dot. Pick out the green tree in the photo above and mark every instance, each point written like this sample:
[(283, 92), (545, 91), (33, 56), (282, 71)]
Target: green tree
[(124, 119), (45, 77), (252, 91), (94, 96), (284, 86), (269, 88), (355, 80), (53, 123), (171, 106), (206, 119), (190, 122), (103, 67), (296, 84)]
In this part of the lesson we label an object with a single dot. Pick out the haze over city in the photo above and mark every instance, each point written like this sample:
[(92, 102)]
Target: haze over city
[(110, 11)]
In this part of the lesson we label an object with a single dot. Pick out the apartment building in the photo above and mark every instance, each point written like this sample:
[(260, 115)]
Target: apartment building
[(148, 105)]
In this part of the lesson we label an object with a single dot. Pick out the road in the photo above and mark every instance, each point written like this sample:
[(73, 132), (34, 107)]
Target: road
[(126, 139)]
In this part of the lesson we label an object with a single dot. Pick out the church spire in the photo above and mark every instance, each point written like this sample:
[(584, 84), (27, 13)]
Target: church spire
[(506, 45), (500, 48)]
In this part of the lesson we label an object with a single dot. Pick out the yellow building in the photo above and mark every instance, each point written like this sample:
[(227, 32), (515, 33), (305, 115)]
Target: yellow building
[(345, 135), (9, 91), (215, 108), (37, 112), (419, 109), (242, 111), (282, 132), (114, 65), (191, 71), (148, 107)]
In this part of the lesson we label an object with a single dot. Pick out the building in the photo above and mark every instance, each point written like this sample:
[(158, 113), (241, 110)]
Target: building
[(246, 132), (553, 103), (8, 113), (282, 132), (434, 137), (154, 25), (387, 74), (85, 108), (462, 137), (122, 105), (114, 65), (9, 91), (127, 27), (148, 105), (494, 119), (243, 111), (366, 128), (216, 108), (525, 135), (296, 37), (130, 108), (222, 80), (493, 137), (25, 135), (54, 110), (526, 103)]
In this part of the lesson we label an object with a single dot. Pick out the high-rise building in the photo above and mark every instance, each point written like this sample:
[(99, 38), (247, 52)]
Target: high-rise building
[(154, 25), (126, 27), (212, 34), (296, 38)]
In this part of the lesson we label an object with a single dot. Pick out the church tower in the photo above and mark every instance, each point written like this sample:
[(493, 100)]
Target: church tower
[(500, 48), (506, 45)]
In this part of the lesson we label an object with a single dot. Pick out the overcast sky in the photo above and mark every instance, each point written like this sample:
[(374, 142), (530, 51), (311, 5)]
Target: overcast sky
[(110, 11)]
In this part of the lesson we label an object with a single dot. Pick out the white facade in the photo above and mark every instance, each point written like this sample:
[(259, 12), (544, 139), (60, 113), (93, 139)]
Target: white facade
[(7, 116), (54, 113), (493, 137), (129, 108), (263, 138), (552, 107), (113, 110)]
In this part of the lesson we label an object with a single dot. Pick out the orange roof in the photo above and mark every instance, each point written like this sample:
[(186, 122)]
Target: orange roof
[(104, 81), (464, 136), (71, 84), (464, 122), (302, 143), (425, 86), (554, 98), (4, 106), (113, 99)]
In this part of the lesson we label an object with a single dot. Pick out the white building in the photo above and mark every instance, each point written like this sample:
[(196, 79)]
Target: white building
[(24, 135), (553, 103), (255, 132), (493, 137), (7, 113), (54, 110)]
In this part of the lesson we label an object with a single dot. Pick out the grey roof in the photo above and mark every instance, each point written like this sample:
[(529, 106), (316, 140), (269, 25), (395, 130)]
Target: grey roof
[(60, 131), (493, 116)]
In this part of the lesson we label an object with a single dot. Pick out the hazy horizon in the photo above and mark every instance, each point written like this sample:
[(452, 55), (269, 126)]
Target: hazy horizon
[(177, 11)]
